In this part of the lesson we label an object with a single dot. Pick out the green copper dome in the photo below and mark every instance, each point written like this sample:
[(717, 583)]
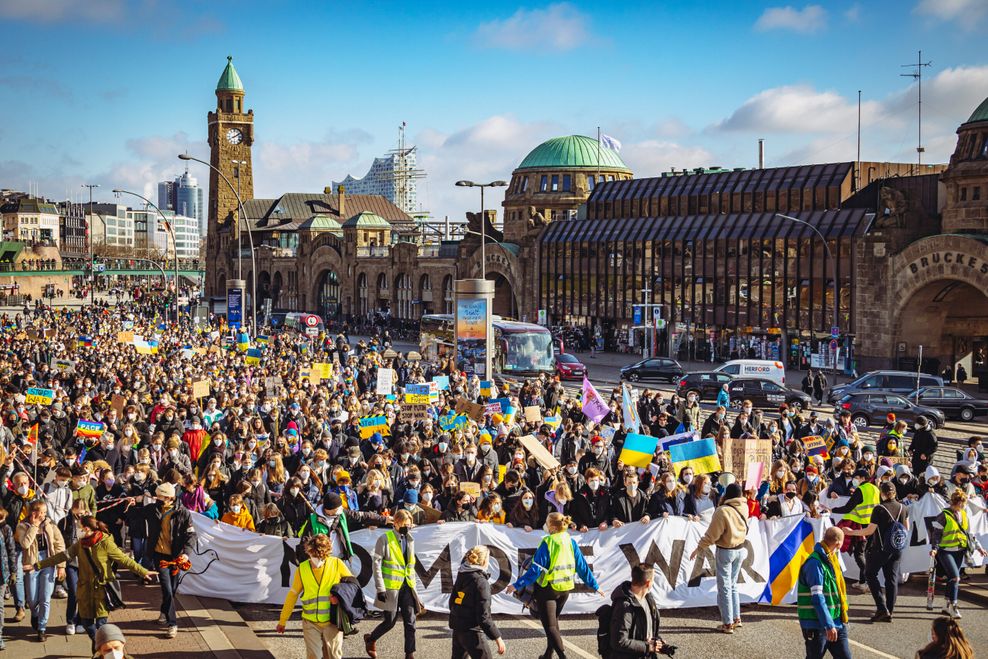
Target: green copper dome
[(367, 220), (573, 151), (229, 80), (981, 114)]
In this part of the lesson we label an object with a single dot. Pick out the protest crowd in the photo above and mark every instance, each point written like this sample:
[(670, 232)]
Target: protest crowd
[(118, 426)]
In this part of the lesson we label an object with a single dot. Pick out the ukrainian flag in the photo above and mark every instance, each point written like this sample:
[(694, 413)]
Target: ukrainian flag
[(700, 455), (372, 424), (262, 340), (786, 560), (638, 450), (253, 357), (486, 388), (243, 341)]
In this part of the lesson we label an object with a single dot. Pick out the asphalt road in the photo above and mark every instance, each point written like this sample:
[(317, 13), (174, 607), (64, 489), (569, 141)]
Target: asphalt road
[(767, 632)]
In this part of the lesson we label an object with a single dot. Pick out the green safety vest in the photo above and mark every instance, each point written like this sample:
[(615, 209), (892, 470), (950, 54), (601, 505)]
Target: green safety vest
[(804, 602), (954, 534), (869, 499), (562, 563), (393, 567), (316, 595)]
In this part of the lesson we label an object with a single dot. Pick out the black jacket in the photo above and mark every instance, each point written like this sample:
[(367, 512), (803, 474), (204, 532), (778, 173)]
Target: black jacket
[(183, 533), (470, 602), (625, 509), (351, 599), (590, 509), (629, 625)]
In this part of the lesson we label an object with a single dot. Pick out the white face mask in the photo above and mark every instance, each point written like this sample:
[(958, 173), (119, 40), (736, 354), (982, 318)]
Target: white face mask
[(688, 478), (706, 488), (527, 503), (235, 510), (316, 562), (293, 491), (427, 497), (780, 473), (855, 482), (113, 654), (670, 486), (632, 489), (571, 469), (593, 485)]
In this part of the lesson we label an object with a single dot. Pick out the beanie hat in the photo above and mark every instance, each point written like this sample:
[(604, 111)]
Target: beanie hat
[(331, 501), (108, 632), (902, 470), (862, 474), (931, 472), (811, 469), (411, 496), (732, 491), (890, 418), (165, 490), (881, 471)]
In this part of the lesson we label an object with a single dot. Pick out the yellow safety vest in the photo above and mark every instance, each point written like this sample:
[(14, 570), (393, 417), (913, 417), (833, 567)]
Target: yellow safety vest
[(954, 534), (393, 567), (869, 499), (562, 563), (316, 594)]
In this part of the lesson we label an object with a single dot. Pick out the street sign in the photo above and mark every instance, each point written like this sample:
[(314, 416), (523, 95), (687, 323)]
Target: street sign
[(833, 345), (834, 332), (656, 313), (234, 307), (311, 321), (637, 315)]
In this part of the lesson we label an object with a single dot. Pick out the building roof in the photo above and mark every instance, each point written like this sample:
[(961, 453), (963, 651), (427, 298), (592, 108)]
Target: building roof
[(321, 222), (229, 80), (573, 151), (832, 224), (289, 211), (367, 220), (29, 205), (980, 113)]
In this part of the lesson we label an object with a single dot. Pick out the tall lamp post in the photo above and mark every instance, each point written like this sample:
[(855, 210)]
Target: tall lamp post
[(483, 220), (171, 232), (833, 265), (89, 228), (250, 238)]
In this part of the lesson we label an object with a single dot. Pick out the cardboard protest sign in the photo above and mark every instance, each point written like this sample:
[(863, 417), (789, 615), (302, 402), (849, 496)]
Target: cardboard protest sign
[(38, 396), (738, 453), (533, 413), (125, 337), (473, 410), (200, 389), (492, 408), (271, 385), (471, 488), (324, 369), (539, 452), (118, 403), (63, 365), (413, 413), (31, 334)]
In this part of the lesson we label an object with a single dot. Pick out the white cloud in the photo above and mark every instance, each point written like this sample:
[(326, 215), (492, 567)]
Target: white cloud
[(559, 26), (652, 157), (53, 11), (951, 94), (798, 109), (966, 12), (306, 166), (806, 20)]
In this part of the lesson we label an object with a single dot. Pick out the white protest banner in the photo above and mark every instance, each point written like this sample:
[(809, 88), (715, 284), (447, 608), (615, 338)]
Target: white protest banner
[(255, 568), (385, 381)]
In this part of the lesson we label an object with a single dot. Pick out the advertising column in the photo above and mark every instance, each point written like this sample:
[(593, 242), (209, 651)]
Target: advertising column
[(236, 290), (474, 298)]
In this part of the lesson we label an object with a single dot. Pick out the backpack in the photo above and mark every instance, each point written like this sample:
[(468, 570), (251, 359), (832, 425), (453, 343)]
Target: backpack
[(604, 614), (896, 537)]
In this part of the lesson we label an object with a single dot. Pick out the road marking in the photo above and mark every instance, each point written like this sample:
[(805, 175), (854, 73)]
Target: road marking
[(572, 648), (871, 649)]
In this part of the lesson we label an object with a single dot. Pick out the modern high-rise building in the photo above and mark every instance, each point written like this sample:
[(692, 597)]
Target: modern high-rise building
[(392, 177), (184, 197)]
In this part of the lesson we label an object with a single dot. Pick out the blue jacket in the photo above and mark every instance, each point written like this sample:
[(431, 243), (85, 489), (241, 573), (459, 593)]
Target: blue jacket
[(811, 574), (723, 399), (542, 558)]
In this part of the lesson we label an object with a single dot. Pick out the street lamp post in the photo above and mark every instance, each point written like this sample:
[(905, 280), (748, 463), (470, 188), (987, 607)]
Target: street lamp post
[(171, 232), (89, 228), (250, 238), (833, 265), (483, 220)]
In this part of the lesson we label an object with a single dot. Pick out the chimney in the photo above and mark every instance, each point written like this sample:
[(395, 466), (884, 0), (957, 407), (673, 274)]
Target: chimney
[(341, 194), (761, 153)]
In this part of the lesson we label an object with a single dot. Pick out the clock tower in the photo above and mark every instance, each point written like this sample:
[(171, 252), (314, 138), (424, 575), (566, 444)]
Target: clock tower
[(231, 134)]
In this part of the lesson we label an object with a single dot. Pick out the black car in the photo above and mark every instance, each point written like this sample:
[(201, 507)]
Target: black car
[(951, 401), (893, 382), (654, 368), (871, 409), (705, 384), (765, 393)]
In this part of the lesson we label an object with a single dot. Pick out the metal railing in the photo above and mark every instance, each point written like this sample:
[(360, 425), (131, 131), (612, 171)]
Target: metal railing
[(374, 251)]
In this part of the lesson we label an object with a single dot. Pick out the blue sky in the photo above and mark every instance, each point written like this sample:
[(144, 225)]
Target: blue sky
[(109, 91)]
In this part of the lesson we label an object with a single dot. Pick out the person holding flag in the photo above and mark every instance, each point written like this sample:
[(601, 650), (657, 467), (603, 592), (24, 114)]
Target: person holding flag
[(632, 422)]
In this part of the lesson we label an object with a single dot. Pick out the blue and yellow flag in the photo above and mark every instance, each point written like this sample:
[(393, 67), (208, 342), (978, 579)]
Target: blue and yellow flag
[(638, 450), (486, 388), (84, 340), (253, 356), (785, 562), (243, 341), (372, 424), (700, 455), (631, 421), (262, 340)]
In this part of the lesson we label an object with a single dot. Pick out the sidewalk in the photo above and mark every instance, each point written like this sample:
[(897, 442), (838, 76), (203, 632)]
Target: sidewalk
[(206, 628)]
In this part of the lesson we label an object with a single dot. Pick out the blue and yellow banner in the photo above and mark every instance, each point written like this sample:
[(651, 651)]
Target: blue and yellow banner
[(638, 450), (785, 562), (372, 424), (253, 356), (700, 455)]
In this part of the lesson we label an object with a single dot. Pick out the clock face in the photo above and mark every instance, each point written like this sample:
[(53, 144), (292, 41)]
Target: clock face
[(234, 136)]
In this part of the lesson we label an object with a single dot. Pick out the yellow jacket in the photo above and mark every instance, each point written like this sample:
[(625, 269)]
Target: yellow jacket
[(241, 519)]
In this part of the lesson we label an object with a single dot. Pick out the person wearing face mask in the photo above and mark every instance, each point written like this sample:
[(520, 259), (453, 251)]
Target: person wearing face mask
[(469, 468), (727, 531), (952, 541), (169, 424), (460, 508), (629, 504), (110, 643), (821, 598), (486, 454), (274, 523), (313, 583), (470, 608), (170, 537), (237, 513), (39, 538), (394, 579), (175, 458), (742, 425), (668, 498), (857, 511), (555, 566), (700, 496), (714, 422), (923, 446), (960, 479), (109, 490), (931, 482), (524, 514), (591, 505), (97, 557), (58, 496), (787, 504), (491, 510)]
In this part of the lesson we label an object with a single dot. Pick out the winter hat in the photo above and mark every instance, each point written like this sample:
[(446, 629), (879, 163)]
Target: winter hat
[(902, 470), (862, 474), (881, 471), (377, 438), (165, 490), (331, 501), (411, 496), (108, 632), (890, 418), (921, 422), (732, 491), (931, 472)]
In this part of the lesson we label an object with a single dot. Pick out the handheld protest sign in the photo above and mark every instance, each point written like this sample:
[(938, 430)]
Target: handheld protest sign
[(539, 452)]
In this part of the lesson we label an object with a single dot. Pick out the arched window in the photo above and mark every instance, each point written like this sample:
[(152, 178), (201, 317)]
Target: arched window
[(403, 296), (362, 294), (329, 294)]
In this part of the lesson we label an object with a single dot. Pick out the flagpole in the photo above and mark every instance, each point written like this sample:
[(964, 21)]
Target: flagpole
[(598, 153)]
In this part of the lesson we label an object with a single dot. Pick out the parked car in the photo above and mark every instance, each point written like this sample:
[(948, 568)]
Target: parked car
[(765, 393), (568, 367), (952, 401), (705, 384), (755, 368), (896, 382), (654, 368), (872, 408)]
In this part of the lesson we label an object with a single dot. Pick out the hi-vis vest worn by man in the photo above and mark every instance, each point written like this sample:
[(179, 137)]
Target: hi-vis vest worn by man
[(562, 563), (869, 499), (831, 591), (954, 533), (394, 568), (316, 594)]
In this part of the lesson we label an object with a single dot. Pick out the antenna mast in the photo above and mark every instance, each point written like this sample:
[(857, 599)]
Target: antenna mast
[(917, 75)]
